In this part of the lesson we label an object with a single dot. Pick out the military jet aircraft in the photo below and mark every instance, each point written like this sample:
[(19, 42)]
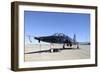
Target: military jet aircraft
[(58, 38)]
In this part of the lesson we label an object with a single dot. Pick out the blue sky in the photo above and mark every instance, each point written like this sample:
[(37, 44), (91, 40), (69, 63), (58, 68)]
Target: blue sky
[(48, 23)]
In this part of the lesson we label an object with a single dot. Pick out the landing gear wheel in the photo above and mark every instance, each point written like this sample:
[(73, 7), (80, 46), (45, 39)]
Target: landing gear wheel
[(70, 45), (67, 44)]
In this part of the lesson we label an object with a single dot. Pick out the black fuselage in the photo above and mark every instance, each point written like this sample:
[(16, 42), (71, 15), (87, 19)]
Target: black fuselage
[(56, 39)]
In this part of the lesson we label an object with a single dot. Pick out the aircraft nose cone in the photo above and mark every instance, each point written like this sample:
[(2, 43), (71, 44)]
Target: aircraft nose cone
[(36, 38)]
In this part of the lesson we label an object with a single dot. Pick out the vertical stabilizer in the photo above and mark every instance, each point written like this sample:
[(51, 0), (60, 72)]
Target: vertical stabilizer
[(74, 39)]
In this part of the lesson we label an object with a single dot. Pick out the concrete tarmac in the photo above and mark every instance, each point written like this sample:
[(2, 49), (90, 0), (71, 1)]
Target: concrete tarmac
[(36, 52)]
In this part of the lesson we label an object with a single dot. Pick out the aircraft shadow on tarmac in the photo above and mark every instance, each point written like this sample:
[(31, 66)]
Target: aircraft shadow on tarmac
[(52, 50)]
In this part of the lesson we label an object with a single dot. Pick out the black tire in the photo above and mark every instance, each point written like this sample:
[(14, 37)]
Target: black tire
[(67, 44), (70, 45)]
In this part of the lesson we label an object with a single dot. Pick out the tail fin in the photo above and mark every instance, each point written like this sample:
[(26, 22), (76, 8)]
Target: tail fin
[(74, 39)]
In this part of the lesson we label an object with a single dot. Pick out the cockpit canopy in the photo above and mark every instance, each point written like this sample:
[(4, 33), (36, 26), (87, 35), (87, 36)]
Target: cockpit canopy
[(62, 35), (59, 34)]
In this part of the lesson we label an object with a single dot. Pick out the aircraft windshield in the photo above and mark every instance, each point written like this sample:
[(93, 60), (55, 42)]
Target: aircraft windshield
[(59, 34)]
